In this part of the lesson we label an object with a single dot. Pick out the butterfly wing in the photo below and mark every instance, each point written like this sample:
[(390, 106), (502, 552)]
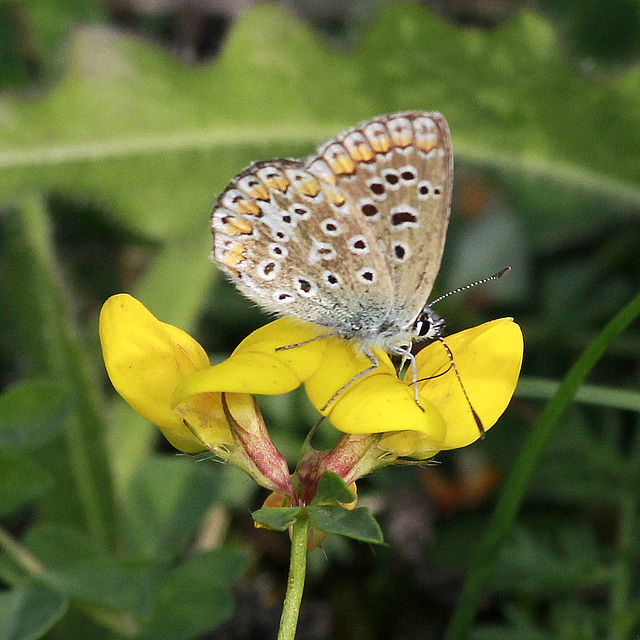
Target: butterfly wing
[(289, 242), (353, 237)]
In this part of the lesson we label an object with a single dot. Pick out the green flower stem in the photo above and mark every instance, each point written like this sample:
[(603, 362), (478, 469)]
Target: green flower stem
[(295, 584), (41, 307), (514, 489)]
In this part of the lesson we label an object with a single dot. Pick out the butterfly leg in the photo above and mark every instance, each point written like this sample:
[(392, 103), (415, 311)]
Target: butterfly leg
[(374, 365), (407, 355), (301, 344)]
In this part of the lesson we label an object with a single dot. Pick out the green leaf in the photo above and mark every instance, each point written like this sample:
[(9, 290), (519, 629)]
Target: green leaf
[(28, 613), (514, 102), (123, 585), (332, 489), (165, 503), (32, 413), (358, 523), (196, 596), (56, 546), (278, 518), (21, 481), (44, 324)]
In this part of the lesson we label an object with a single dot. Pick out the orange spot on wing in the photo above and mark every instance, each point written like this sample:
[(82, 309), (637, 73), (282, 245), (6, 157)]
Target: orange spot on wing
[(248, 206), (343, 165), (401, 141), (281, 184), (310, 188), (381, 145), (426, 145), (336, 198), (237, 226), (234, 255), (260, 193), (362, 153)]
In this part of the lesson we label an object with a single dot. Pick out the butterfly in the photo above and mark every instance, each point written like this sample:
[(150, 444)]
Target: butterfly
[(350, 238)]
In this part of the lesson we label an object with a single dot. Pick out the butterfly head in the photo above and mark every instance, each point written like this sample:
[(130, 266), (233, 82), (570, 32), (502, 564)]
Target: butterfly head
[(428, 325)]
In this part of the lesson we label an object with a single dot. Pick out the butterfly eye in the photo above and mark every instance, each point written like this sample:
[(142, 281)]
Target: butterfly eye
[(422, 327), (428, 325)]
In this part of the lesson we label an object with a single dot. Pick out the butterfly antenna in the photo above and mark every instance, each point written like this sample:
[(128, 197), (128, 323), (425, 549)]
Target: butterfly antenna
[(475, 415), (495, 276), (453, 366)]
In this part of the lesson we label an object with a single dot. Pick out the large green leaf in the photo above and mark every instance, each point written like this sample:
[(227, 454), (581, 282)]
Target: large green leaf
[(22, 480), (125, 585), (58, 547), (136, 128), (44, 325)]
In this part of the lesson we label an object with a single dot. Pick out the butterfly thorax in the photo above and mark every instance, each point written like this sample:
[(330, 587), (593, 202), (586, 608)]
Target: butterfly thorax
[(384, 328), (373, 333)]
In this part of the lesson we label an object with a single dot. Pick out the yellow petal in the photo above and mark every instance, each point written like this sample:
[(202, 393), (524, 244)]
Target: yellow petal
[(488, 358), (411, 444), (378, 402), (301, 358), (258, 366), (205, 420), (145, 360), (343, 360), (381, 403)]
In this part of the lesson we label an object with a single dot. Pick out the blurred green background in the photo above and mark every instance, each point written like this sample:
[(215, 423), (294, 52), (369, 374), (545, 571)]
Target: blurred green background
[(121, 120)]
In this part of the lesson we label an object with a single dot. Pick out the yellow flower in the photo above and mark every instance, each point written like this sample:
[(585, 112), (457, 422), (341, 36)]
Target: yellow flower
[(487, 357), (166, 376), (145, 360)]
